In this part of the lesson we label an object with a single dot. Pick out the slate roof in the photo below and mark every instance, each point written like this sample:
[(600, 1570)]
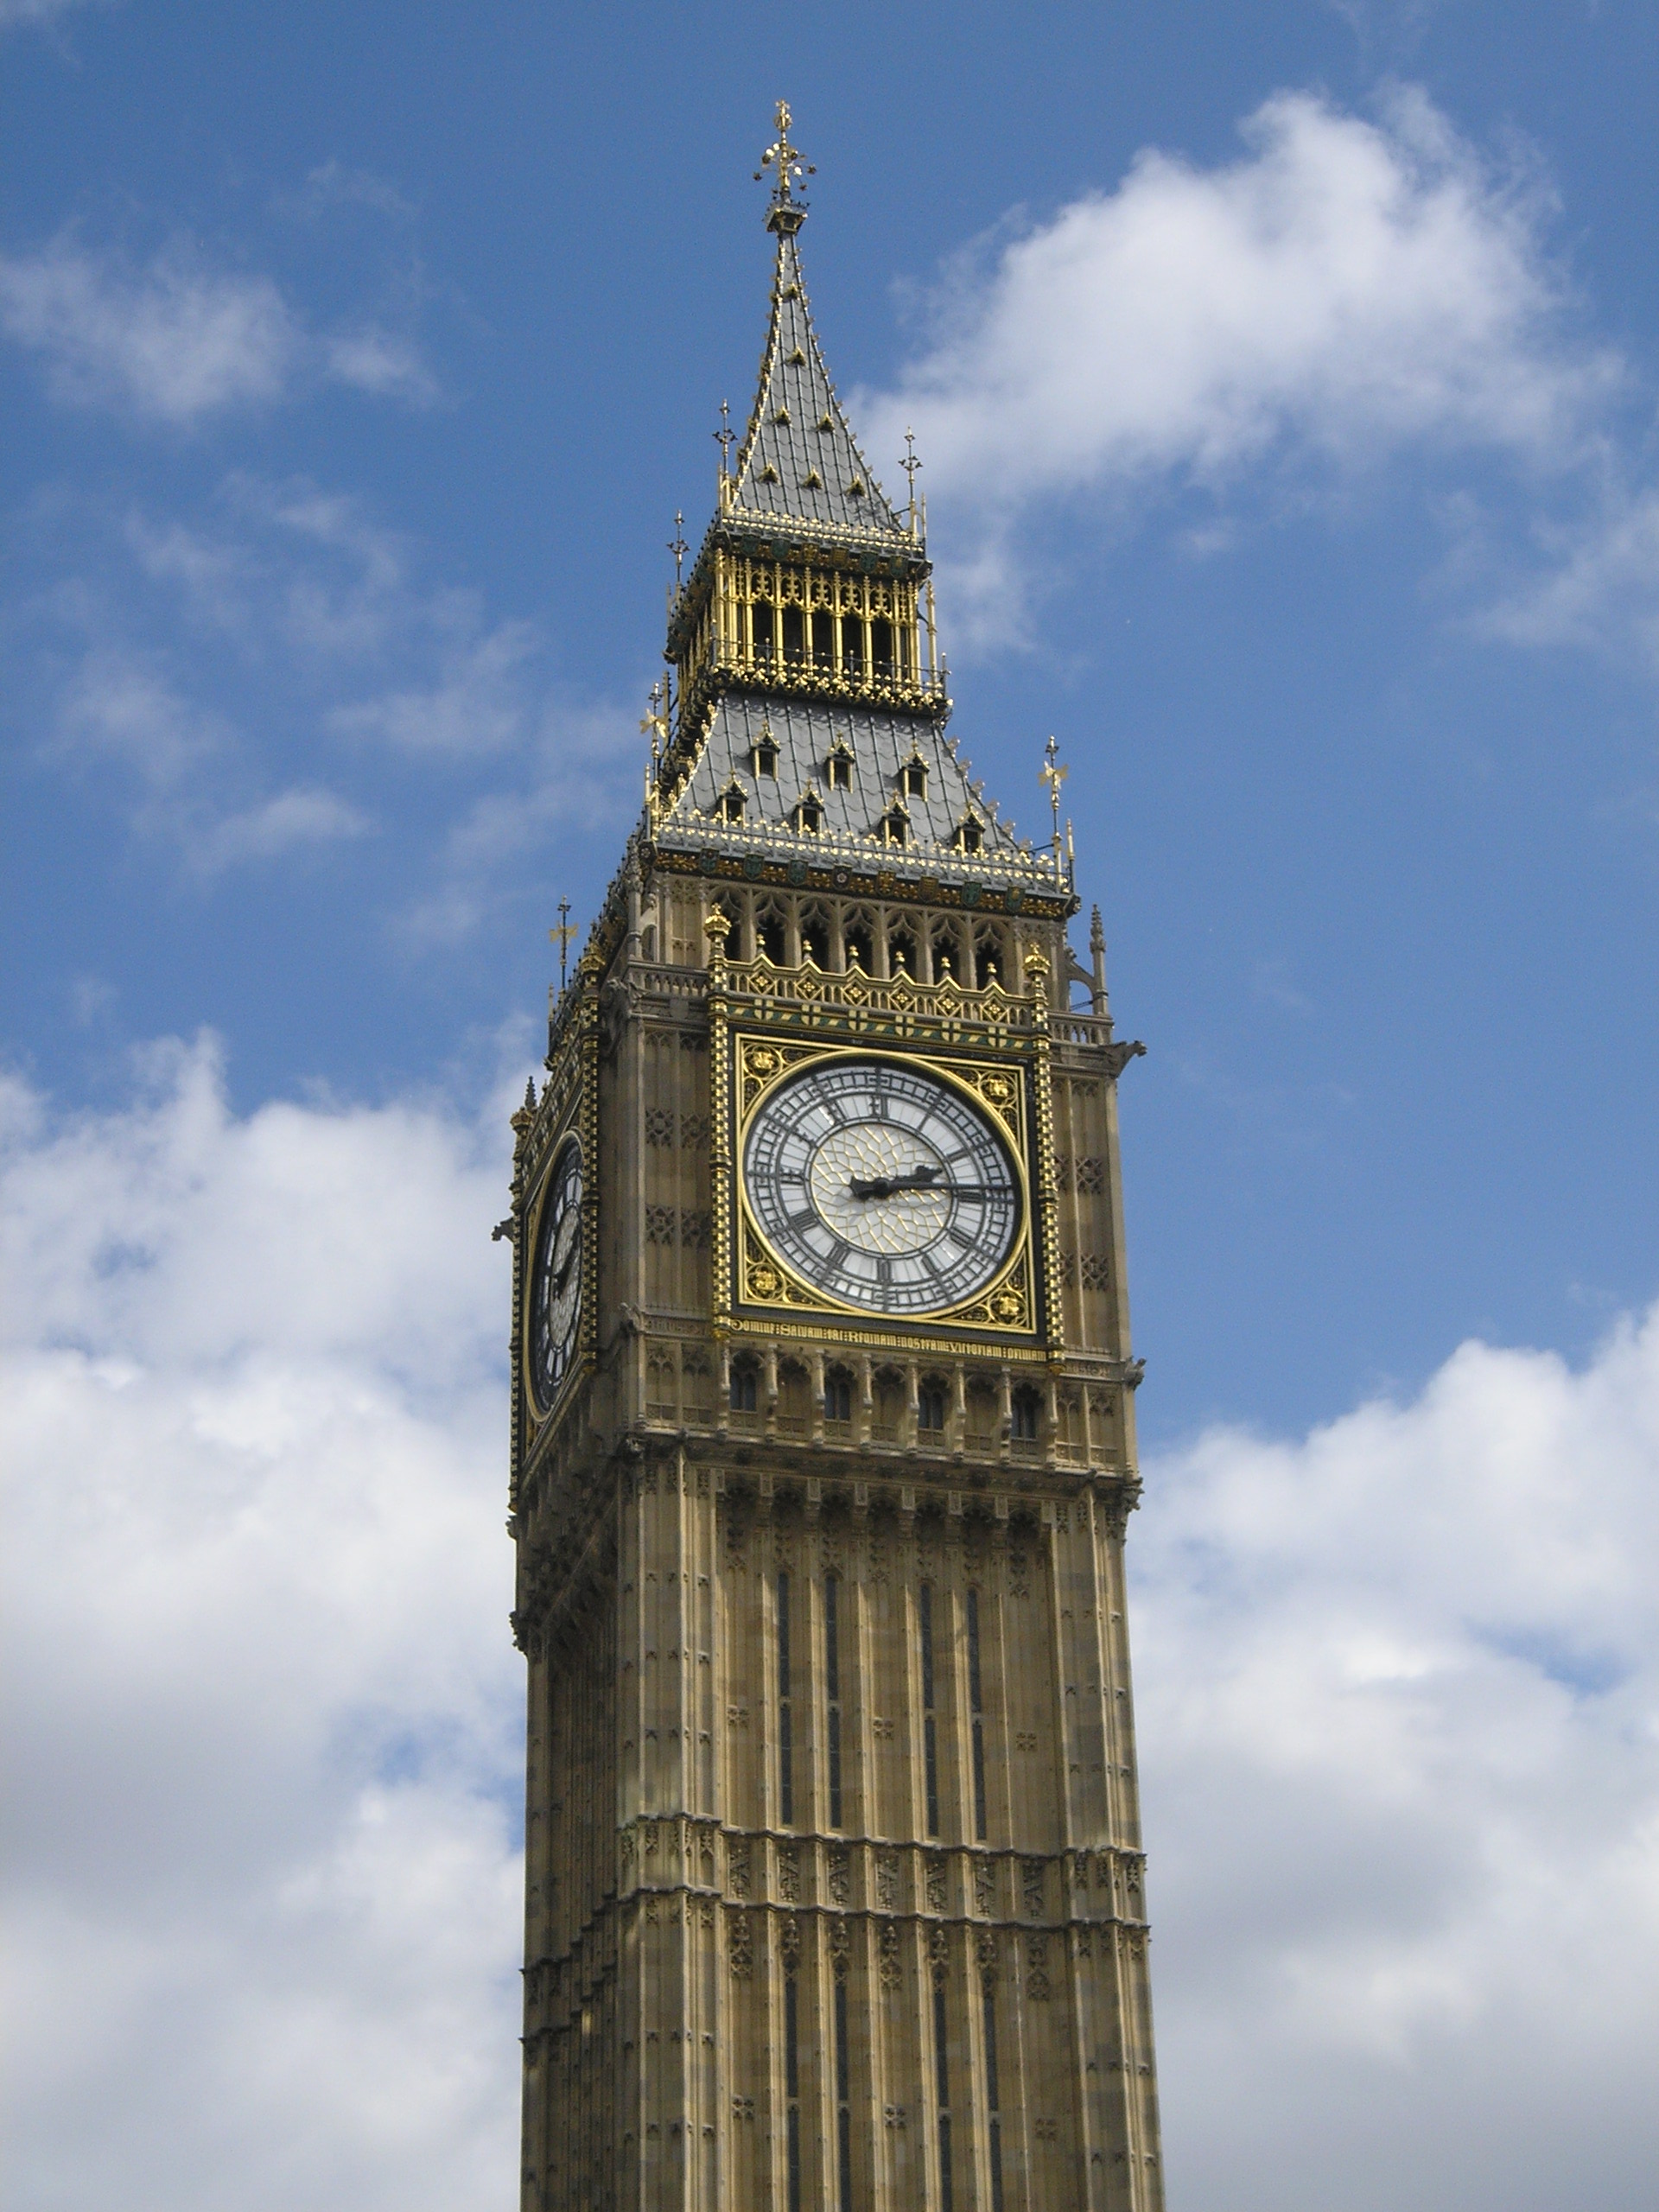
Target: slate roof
[(804, 732), (799, 460)]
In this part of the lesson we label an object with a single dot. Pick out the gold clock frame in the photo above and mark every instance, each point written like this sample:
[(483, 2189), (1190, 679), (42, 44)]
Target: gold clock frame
[(761, 1280)]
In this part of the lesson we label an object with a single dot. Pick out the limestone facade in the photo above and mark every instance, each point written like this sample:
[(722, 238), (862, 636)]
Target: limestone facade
[(835, 1890)]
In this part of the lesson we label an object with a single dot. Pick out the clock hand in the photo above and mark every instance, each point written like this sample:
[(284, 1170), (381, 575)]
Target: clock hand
[(922, 1178), (883, 1187)]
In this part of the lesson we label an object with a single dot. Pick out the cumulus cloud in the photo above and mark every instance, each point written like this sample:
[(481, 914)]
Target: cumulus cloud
[(176, 341), (1399, 1693), (1396, 1686), (1351, 292), (263, 1888), (1599, 586), (1346, 288)]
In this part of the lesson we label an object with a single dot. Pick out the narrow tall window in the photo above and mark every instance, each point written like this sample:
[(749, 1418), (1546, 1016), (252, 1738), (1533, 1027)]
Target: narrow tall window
[(792, 2089), (977, 1708), (838, 1398), (844, 2102), (929, 1406), (942, 2069), (992, 2105), (930, 1729), (760, 630), (794, 635), (832, 1681), (852, 646), (881, 647), (823, 639), (1025, 1416), (742, 1389), (785, 1743)]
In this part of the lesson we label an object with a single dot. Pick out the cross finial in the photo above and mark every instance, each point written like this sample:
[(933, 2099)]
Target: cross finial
[(1053, 775), (655, 724), (677, 546), (724, 437), (561, 938), (785, 214), (910, 464)]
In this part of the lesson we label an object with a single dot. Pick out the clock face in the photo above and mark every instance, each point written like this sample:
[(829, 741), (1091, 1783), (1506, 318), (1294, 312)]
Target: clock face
[(882, 1186), (555, 1277)]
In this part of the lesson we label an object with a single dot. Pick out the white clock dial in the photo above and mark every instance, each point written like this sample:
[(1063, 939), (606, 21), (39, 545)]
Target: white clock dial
[(555, 1277), (882, 1185)]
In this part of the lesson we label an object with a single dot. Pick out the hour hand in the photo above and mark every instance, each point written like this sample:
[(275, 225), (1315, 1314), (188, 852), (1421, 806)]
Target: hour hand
[(884, 1187)]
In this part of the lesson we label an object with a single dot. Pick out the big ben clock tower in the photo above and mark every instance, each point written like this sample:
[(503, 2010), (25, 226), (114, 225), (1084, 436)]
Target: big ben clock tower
[(823, 1435)]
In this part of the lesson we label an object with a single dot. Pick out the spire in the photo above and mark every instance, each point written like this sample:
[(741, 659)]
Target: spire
[(800, 460)]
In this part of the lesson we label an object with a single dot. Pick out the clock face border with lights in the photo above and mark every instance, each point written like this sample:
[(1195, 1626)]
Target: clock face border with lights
[(980, 1108)]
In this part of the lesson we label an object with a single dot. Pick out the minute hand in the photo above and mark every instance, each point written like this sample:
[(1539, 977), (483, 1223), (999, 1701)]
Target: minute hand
[(887, 1186)]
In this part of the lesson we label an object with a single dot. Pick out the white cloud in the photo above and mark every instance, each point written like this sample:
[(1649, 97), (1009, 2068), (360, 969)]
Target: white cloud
[(1399, 1690), (1599, 585), (1345, 289), (15, 12), (263, 1889), (307, 815), (177, 340), (1397, 1687)]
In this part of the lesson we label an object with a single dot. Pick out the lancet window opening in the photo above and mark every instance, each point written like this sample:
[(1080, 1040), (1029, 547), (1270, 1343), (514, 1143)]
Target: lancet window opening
[(977, 1714), (743, 1386), (838, 1396), (832, 1692), (786, 1712), (772, 934), (844, 2098), (930, 1723), (942, 2088), (793, 2088), (815, 936), (993, 2106)]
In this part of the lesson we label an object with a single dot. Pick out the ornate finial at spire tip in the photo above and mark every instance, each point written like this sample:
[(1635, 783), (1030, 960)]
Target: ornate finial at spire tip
[(785, 214)]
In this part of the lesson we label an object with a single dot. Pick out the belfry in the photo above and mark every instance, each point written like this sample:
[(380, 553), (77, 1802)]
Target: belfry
[(822, 1429)]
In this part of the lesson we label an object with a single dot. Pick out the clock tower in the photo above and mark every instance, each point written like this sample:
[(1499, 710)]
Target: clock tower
[(823, 1430)]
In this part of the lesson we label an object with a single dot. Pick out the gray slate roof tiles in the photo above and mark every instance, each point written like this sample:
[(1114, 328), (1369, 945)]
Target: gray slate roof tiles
[(799, 459), (804, 732)]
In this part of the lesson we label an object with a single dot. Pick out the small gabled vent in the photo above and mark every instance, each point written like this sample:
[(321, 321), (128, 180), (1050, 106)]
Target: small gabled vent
[(797, 359), (782, 416), (768, 474), (812, 481), (826, 421), (856, 489)]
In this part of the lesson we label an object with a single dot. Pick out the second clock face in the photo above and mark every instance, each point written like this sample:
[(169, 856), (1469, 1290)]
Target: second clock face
[(882, 1186), (555, 1277)]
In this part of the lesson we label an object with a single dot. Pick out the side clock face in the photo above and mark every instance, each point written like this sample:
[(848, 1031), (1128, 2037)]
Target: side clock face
[(555, 1277), (882, 1186)]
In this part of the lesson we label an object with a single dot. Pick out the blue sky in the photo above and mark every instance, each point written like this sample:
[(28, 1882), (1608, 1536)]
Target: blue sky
[(358, 368), (1285, 383)]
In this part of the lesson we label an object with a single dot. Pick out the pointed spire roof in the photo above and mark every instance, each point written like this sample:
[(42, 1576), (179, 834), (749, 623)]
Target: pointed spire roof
[(799, 460)]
